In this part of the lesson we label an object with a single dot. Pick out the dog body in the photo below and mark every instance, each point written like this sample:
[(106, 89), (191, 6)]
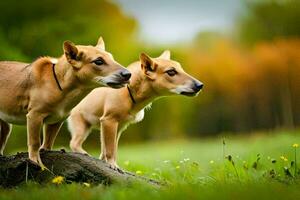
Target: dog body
[(44, 92), (113, 110)]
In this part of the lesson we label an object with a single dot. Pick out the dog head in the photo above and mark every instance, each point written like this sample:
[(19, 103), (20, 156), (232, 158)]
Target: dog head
[(93, 65), (167, 76)]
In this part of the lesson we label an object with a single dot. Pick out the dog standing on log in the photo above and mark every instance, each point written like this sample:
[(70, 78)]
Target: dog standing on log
[(44, 92), (114, 110)]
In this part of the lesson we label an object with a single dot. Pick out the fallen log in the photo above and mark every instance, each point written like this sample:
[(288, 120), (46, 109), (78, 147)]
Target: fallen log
[(74, 167)]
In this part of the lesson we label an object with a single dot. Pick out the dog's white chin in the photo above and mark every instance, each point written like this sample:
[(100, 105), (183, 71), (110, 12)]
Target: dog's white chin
[(180, 89), (110, 81), (183, 90), (99, 81)]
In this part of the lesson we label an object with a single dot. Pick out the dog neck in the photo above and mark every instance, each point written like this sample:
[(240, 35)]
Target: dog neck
[(55, 77), (65, 76), (142, 92)]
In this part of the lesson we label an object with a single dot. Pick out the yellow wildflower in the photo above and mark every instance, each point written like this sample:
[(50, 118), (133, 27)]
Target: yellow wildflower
[(138, 172), (177, 167), (283, 158), (87, 184), (58, 180), (295, 145), (211, 162)]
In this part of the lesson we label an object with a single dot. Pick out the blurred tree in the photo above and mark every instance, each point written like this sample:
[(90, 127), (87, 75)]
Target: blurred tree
[(269, 19), (38, 28)]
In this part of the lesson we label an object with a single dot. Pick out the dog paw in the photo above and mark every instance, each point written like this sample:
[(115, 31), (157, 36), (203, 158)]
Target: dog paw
[(37, 165), (80, 150), (116, 168), (36, 160)]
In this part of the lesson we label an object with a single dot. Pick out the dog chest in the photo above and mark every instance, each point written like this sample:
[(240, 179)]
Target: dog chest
[(138, 116), (57, 116), (13, 119)]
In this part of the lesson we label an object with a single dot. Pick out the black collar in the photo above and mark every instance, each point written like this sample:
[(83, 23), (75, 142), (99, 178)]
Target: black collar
[(130, 94), (55, 77)]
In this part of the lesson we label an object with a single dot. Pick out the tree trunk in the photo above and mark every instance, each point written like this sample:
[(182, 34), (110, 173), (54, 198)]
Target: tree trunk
[(74, 167)]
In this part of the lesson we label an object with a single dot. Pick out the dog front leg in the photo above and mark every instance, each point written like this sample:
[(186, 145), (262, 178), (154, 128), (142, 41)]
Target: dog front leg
[(50, 132), (109, 128), (79, 129), (34, 124), (5, 130)]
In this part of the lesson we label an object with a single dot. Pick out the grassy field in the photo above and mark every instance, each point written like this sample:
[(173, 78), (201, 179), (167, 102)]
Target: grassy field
[(257, 166)]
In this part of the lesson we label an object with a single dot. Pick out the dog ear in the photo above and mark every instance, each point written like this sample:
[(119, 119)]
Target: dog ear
[(101, 44), (71, 51), (147, 64), (166, 55)]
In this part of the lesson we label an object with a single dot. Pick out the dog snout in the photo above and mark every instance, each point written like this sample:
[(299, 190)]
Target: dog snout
[(125, 74), (198, 86)]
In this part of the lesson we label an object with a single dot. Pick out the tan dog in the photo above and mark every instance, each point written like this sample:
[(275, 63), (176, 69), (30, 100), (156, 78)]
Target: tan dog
[(116, 109), (45, 91)]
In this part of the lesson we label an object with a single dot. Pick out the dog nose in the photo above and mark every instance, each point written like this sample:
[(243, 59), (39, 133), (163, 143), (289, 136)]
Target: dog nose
[(126, 75), (198, 86)]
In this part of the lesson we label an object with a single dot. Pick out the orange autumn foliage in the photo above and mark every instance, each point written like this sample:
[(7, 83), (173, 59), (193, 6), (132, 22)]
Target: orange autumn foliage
[(258, 88)]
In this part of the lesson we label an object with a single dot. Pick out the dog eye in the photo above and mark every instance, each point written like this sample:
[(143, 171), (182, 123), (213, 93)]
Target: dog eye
[(98, 61), (171, 72)]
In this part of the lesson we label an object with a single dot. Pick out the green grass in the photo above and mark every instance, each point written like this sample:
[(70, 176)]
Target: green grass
[(194, 170)]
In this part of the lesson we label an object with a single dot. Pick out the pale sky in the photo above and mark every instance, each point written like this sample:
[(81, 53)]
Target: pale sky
[(168, 21)]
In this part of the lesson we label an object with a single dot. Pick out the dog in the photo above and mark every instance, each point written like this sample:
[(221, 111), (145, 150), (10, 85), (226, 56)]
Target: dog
[(44, 92), (114, 110)]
